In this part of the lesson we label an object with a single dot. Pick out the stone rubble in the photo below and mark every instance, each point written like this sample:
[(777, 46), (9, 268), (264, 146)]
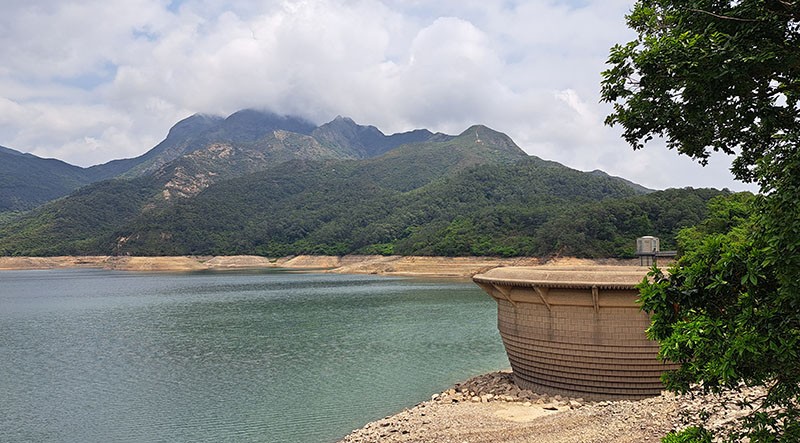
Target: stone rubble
[(490, 408)]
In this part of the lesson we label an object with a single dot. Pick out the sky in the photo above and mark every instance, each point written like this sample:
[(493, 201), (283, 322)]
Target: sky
[(94, 80)]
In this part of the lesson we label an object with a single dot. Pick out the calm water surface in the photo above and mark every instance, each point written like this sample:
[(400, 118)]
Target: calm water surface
[(100, 356)]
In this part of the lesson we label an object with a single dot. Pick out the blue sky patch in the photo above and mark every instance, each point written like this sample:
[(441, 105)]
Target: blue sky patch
[(90, 80)]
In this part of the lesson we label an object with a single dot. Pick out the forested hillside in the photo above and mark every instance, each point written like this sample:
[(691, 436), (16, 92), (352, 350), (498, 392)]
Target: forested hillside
[(27, 181), (529, 207), (257, 183)]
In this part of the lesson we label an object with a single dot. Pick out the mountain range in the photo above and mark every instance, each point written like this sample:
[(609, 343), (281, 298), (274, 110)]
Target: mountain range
[(206, 146), (261, 183)]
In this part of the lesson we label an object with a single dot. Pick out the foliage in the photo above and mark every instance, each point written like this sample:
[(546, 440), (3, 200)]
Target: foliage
[(724, 314), (607, 229), (526, 208), (689, 435), (710, 76), (474, 194), (77, 225), (495, 210), (280, 194), (725, 76)]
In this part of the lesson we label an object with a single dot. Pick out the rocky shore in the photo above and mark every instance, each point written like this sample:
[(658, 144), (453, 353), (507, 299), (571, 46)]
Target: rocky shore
[(491, 409)]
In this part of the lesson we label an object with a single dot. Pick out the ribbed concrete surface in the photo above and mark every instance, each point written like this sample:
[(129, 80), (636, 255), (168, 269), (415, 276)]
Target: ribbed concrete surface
[(576, 331)]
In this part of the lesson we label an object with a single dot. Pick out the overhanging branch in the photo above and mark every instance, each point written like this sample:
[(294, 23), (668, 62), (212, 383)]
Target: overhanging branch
[(723, 17)]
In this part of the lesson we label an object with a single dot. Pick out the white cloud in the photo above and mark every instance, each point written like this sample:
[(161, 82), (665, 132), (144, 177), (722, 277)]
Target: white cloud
[(95, 80)]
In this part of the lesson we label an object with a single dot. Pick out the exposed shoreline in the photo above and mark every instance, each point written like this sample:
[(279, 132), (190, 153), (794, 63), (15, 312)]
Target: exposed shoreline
[(490, 409), (412, 266)]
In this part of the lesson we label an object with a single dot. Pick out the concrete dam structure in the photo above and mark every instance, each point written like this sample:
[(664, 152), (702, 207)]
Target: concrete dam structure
[(576, 331)]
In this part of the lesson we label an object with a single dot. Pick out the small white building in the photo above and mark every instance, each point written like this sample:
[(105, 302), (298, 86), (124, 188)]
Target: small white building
[(648, 249)]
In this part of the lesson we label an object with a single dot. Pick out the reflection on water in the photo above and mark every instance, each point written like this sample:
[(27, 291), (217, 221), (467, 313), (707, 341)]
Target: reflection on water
[(95, 356)]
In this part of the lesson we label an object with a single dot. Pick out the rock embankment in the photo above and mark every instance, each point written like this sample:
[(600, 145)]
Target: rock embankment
[(491, 409)]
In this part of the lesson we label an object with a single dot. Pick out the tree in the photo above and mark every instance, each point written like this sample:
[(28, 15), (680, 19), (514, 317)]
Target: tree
[(724, 76), (710, 75)]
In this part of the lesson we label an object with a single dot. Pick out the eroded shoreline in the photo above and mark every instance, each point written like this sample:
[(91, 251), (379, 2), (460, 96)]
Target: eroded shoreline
[(416, 266)]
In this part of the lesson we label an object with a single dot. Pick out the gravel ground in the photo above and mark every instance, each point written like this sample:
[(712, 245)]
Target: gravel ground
[(490, 408)]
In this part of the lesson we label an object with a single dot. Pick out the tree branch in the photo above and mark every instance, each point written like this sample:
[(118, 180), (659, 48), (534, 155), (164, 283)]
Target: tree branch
[(723, 17)]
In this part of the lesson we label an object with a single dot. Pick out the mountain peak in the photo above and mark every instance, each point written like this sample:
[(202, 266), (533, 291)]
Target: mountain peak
[(250, 124), (481, 130), (485, 136), (194, 123), (341, 119), (346, 136)]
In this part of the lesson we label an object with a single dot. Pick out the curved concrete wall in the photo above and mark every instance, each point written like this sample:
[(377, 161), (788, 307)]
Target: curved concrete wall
[(576, 332)]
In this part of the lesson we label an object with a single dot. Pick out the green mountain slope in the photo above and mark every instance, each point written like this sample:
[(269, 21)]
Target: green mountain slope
[(499, 209), (413, 165), (188, 175), (79, 224), (474, 194), (258, 183), (27, 181)]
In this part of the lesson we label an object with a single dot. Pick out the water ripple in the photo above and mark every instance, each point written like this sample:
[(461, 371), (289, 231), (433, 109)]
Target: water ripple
[(94, 356)]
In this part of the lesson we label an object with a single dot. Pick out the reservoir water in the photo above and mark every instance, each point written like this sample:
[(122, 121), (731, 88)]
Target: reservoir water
[(102, 356)]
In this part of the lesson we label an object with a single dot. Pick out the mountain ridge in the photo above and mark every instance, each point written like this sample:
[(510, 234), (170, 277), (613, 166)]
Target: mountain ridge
[(342, 133), (27, 181), (256, 139), (343, 206), (259, 183)]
